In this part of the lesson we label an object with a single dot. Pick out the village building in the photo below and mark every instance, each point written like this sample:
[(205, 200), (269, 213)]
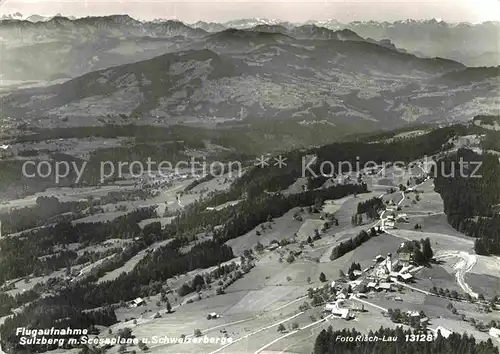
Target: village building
[(137, 302), (358, 307), (385, 286), (444, 332), (389, 224), (405, 258), (406, 269), (494, 332), (338, 311), (357, 273), (406, 277), (330, 306), (273, 246), (213, 315), (356, 282), (342, 313), (402, 218)]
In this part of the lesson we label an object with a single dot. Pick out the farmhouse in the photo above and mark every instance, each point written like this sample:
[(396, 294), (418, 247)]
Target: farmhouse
[(213, 315), (330, 306), (342, 313), (444, 332), (494, 332), (138, 302), (337, 311), (406, 277), (389, 224), (402, 218)]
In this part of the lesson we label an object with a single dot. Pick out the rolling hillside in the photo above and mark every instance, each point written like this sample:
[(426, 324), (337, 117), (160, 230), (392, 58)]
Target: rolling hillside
[(261, 75)]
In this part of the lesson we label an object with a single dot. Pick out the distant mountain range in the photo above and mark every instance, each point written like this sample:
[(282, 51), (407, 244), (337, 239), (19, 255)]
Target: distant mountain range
[(253, 75), (470, 44), (38, 48), (47, 48)]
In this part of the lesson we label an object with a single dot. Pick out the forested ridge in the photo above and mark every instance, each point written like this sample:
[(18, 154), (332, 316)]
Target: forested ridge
[(469, 200)]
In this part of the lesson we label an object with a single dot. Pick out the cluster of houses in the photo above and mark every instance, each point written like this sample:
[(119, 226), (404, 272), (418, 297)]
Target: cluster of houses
[(385, 270), (383, 276), (337, 310), (391, 220)]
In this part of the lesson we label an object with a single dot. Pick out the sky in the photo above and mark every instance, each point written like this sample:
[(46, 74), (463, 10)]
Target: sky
[(189, 11)]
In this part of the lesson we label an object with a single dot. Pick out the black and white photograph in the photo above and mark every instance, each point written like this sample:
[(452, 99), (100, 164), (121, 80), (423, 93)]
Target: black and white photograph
[(250, 177)]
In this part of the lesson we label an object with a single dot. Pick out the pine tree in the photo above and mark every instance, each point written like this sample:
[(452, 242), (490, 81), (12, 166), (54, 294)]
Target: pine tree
[(427, 252)]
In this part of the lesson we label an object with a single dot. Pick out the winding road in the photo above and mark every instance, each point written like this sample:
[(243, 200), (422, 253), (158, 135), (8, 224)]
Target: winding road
[(463, 266)]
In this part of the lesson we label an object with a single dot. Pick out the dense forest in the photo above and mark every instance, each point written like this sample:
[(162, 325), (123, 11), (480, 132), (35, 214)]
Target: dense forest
[(371, 207), (20, 256), (469, 199), (353, 243), (44, 212), (396, 150), (327, 342)]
